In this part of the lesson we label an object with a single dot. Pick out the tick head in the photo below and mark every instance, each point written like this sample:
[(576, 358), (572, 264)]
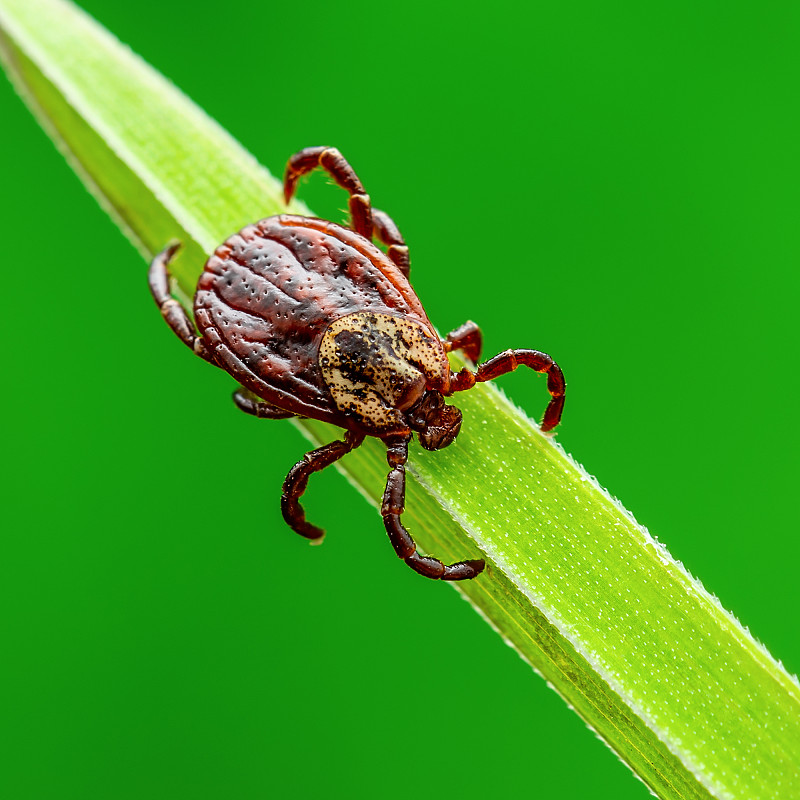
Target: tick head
[(436, 423)]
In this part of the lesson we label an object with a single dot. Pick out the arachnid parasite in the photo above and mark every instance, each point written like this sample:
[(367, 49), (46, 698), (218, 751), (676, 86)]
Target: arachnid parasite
[(314, 320)]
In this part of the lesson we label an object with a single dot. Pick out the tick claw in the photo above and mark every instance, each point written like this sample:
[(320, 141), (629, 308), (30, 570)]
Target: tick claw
[(464, 570)]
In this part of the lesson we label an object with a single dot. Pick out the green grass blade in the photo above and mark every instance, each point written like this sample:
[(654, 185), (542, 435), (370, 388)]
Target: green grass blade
[(633, 643)]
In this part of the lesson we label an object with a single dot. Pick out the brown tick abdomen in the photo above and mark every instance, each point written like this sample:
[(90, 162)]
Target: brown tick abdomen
[(269, 292)]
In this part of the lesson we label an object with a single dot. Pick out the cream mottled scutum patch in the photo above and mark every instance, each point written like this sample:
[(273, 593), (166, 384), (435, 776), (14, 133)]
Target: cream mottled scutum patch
[(377, 365)]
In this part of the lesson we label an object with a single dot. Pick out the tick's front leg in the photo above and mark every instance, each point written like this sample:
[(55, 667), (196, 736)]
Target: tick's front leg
[(508, 362), (392, 508)]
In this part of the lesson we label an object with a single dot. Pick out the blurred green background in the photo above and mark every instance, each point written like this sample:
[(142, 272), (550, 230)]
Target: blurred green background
[(163, 638)]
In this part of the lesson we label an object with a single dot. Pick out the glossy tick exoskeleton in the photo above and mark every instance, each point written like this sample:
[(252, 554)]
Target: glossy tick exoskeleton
[(315, 321)]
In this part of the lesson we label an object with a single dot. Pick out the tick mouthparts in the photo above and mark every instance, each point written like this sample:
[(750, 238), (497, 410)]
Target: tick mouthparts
[(441, 429)]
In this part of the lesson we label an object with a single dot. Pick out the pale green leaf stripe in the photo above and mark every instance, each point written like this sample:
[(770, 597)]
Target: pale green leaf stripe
[(650, 660)]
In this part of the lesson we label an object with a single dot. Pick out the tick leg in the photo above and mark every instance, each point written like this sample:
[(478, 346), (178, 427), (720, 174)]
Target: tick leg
[(297, 480), (468, 339), (251, 404), (333, 162), (387, 232), (508, 362), (392, 508), (172, 311)]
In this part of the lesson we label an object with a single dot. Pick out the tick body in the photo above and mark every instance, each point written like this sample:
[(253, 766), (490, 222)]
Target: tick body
[(314, 320)]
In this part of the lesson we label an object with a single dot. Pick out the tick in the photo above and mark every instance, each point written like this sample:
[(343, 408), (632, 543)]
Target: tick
[(314, 320)]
